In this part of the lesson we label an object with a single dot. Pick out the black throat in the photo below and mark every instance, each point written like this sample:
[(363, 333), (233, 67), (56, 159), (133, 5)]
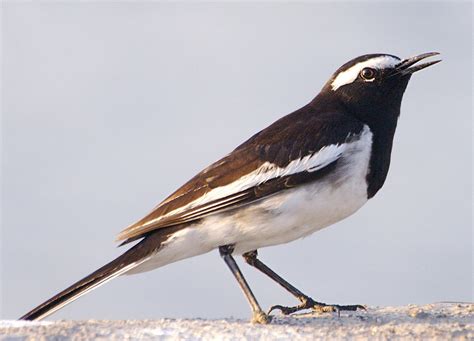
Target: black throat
[(382, 141), (382, 121)]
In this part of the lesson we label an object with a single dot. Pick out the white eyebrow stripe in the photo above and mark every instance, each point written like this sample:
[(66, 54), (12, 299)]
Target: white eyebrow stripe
[(350, 75)]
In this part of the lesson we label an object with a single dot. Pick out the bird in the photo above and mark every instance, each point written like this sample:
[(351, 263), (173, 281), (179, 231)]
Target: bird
[(304, 172)]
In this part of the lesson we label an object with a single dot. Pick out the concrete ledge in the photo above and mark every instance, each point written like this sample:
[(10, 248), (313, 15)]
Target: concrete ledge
[(441, 321)]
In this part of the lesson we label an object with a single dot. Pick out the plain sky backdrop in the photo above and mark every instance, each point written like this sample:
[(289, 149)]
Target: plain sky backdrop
[(109, 107)]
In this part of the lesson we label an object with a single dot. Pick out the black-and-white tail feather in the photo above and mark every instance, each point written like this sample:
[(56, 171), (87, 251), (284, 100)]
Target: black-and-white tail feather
[(132, 258)]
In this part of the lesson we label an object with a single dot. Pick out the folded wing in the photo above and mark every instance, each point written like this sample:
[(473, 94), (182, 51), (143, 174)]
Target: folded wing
[(278, 158)]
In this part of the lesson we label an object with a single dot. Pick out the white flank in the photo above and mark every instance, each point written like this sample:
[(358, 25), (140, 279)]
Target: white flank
[(265, 172), (350, 75), (280, 218)]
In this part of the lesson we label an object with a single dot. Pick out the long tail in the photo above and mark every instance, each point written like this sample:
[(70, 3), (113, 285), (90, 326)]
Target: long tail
[(122, 264)]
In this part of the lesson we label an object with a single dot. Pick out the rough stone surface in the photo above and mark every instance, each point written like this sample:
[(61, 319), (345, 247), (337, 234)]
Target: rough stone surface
[(440, 321)]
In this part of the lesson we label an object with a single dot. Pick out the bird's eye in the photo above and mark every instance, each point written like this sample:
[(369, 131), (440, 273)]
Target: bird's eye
[(367, 74)]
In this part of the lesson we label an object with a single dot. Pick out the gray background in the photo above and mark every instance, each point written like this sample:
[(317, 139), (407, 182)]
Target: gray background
[(108, 107)]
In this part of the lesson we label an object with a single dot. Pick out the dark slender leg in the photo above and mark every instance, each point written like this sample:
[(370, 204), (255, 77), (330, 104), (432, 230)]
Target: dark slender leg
[(306, 301), (258, 315)]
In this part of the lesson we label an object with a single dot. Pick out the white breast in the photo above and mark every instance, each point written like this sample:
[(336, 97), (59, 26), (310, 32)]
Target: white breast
[(297, 213), (281, 218)]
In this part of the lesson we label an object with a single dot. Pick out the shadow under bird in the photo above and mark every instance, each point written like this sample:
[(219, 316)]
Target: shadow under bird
[(308, 170)]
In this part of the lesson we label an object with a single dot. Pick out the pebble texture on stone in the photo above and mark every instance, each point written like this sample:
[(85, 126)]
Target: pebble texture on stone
[(440, 321)]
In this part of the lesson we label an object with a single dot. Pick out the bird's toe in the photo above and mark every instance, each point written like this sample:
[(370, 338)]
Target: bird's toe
[(261, 318)]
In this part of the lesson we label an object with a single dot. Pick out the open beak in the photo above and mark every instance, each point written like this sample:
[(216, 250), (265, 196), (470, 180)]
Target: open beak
[(403, 68)]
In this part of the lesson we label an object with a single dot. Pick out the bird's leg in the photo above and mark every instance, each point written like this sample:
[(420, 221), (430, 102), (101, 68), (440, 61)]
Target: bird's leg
[(306, 301), (258, 315)]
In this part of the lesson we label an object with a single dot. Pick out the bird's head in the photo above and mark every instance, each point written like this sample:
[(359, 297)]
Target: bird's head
[(372, 86)]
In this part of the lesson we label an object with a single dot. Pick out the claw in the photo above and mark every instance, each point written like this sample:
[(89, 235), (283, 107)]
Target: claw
[(309, 303), (284, 310)]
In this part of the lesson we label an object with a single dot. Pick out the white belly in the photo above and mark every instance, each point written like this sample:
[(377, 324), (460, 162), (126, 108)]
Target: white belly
[(279, 219)]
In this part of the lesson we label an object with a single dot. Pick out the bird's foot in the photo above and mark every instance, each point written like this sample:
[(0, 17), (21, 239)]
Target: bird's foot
[(309, 303), (259, 317)]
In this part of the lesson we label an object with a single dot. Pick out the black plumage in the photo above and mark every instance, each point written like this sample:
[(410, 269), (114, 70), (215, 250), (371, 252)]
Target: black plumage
[(358, 106), (302, 133)]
